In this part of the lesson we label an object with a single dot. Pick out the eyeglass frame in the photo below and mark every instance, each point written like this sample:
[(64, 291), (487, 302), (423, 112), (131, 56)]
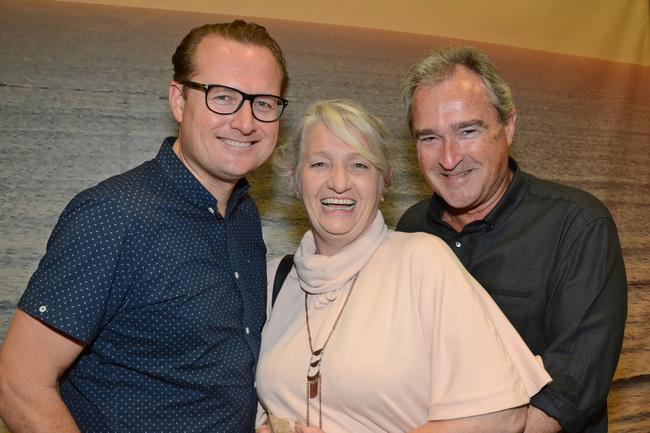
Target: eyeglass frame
[(205, 88)]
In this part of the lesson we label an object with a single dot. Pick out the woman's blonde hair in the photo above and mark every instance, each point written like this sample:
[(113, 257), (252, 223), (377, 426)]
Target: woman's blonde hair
[(348, 121)]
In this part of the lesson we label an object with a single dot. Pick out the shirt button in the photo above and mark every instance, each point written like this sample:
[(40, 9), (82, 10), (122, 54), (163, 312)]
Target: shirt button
[(248, 331), (237, 275), (42, 308), (457, 244), (211, 210)]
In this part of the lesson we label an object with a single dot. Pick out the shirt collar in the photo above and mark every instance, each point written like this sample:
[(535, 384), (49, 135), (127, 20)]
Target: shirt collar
[(187, 186), (510, 200)]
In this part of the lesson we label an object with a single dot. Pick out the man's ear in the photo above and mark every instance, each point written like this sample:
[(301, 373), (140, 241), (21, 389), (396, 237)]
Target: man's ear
[(509, 125), (176, 100)]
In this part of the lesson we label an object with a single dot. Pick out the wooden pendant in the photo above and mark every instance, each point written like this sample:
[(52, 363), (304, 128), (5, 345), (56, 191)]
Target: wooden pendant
[(313, 383), (313, 373)]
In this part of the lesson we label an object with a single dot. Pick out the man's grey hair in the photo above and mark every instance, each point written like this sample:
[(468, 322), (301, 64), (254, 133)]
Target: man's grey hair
[(440, 66)]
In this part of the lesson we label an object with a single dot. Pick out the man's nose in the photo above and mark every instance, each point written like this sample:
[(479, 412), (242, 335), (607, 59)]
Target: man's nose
[(243, 119), (451, 154)]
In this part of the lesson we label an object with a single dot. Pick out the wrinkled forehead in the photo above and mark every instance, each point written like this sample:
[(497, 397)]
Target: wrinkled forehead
[(460, 96)]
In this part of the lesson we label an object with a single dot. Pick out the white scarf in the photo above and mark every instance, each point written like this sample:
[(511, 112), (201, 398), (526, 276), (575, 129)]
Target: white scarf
[(326, 276)]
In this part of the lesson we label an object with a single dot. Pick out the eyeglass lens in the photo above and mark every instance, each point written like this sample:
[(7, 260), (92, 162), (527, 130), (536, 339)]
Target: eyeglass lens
[(224, 100)]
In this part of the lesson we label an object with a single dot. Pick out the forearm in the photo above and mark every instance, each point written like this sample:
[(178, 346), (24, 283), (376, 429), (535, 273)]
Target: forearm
[(32, 358), (539, 422), (35, 411), (505, 421)]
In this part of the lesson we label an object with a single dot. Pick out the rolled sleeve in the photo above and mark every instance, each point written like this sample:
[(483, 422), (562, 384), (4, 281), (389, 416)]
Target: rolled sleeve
[(70, 289), (584, 325)]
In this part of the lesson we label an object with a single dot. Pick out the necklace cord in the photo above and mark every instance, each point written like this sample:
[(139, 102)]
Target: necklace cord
[(314, 380)]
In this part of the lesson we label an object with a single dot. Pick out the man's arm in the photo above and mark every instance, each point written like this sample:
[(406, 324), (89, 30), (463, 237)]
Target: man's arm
[(585, 319), (539, 422), (32, 358), (505, 421)]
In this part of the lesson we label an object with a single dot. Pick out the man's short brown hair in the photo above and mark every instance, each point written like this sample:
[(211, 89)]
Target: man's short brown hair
[(238, 30)]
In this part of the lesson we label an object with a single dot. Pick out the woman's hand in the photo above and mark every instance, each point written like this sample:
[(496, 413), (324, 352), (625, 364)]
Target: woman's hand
[(299, 428), (302, 429)]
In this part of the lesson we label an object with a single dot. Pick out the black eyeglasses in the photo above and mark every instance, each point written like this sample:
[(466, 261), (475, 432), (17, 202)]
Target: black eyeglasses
[(227, 100)]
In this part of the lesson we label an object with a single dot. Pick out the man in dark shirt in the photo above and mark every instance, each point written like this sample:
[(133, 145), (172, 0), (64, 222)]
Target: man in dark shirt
[(548, 254), (147, 308)]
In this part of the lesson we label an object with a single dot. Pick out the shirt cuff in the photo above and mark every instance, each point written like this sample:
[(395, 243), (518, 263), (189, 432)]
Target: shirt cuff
[(556, 406)]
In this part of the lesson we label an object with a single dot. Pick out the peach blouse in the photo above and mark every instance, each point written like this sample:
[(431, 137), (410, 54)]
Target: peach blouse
[(418, 340)]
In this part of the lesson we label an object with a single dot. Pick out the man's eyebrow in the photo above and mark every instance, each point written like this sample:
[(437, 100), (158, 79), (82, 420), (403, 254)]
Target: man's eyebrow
[(427, 131), (465, 123)]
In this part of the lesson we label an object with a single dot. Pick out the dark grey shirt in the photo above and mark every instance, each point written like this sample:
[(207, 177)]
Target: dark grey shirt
[(550, 257)]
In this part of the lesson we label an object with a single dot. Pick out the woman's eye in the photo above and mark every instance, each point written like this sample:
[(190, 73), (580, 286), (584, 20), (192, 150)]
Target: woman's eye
[(360, 165)]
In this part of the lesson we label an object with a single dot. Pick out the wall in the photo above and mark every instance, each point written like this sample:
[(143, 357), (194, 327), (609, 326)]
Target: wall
[(607, 29), (83, 91)]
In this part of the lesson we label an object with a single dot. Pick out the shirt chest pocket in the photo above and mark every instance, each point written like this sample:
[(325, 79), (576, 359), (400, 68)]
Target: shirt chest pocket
[(515, 304)]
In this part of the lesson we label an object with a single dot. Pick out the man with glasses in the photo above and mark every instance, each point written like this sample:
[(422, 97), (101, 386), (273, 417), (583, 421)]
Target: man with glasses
[(145, 313)]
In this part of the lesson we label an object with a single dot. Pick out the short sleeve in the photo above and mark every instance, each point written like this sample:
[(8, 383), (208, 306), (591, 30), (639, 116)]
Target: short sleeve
[(479, 364), (74, 281)]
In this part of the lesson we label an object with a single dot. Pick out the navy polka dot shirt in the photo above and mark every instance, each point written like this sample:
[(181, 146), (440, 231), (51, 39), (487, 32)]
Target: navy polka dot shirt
[(168, 296)]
